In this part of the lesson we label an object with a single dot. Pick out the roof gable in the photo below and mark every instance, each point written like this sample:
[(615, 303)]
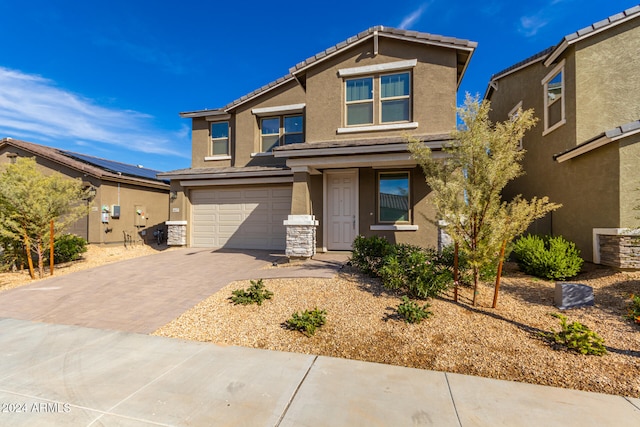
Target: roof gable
[(94, 166), (550, 54), (464, 49)]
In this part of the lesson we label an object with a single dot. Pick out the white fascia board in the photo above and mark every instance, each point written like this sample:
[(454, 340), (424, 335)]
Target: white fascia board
[(203, 113), (237, 181), (218, 117), (366, 149), (278, 110), (584, 149), (377, 68)]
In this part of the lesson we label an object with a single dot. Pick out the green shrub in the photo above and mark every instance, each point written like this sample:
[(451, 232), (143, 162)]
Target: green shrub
[(634, 309), (411, 312), (418, 271), (552, 258), (308, 321), (369, 253), (576, 336), (68, 247), (254, 294)]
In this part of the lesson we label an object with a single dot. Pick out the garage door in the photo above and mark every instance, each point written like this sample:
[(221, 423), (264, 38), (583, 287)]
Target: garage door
[(240, 218)]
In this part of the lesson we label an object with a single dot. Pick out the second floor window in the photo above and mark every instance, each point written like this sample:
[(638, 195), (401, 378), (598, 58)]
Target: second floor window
[(284, 130), (220, 139), (554, 105), (389, 103)]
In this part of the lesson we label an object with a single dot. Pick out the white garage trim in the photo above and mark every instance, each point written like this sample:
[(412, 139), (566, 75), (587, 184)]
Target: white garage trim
[(247, 217)]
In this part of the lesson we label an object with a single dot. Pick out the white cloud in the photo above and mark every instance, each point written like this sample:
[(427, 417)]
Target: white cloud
[(413, 17), (530, 25), (34, 108)]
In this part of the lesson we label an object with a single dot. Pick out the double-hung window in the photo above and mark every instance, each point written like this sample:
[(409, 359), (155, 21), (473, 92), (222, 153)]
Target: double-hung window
[(283, 130), (379, 99), (554, 105), (393, 197), (220, 139), (394, 98)]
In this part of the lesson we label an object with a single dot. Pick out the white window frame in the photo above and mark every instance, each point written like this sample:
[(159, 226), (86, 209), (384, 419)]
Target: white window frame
[(512, 114), (379, 176), (213, 156), (376, 102), (281, 133), (393, 98), (558, 69)]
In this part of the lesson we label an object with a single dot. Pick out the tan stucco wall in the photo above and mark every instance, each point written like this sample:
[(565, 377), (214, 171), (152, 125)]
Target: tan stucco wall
[(608, 87), (630, 182), (156, 201), (433, 86), (422, 210)]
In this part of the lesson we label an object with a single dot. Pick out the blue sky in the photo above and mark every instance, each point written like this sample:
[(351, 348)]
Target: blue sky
[(109, 78)]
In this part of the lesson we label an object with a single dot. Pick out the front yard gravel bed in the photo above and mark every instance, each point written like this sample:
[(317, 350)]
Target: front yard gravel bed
[(500, 343)]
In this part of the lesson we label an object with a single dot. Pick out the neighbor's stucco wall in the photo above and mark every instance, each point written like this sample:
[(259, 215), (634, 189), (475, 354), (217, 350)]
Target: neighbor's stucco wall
[(608, 86), (630, 182)]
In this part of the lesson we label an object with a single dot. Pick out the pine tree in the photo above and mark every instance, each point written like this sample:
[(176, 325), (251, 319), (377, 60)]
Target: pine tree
[(479, 162)]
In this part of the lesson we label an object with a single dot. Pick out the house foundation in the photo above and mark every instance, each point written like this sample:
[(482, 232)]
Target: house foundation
[(301, 236)]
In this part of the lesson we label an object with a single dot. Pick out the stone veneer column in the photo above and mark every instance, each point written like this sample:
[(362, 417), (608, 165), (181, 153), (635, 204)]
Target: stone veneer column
[(301, 236), (620, 251), (176, 233)]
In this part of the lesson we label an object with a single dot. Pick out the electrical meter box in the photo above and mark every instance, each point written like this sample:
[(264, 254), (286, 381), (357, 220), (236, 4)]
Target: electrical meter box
[(105, 214), (115, 211), (140, 216)]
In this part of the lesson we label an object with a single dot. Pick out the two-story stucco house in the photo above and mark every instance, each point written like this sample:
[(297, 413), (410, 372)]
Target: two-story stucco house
[(319, 156), (585, 150)]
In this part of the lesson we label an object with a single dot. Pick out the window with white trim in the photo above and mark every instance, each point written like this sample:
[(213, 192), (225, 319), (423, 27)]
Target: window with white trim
[(283, 130), (379, 99), (220, 138), (554, 105), (393, 197)]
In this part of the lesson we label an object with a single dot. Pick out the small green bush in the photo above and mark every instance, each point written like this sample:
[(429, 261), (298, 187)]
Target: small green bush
[(419, 271), (552, 258), (369, 253), (634, 309), (411, 312), (68, 247), (576, 336), (254, 294), (308, 321)]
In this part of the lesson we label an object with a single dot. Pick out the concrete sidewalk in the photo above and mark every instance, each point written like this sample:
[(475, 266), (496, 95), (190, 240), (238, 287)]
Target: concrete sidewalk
[(74, 376)]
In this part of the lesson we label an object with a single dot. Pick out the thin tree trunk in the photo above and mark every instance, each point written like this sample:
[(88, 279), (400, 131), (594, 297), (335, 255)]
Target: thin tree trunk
[(475, 286), (499, 274), (455, 271), (51, 233), (40, 258), (29, 260)]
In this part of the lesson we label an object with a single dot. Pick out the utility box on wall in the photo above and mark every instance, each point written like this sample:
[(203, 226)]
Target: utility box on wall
[(140, 216), (115, 211)]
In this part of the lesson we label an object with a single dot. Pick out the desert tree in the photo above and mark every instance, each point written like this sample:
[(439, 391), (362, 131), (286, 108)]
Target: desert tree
[(30, 200), (479, 161)]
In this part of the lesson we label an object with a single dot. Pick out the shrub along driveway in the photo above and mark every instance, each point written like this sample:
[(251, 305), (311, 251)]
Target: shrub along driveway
[(143, 294)]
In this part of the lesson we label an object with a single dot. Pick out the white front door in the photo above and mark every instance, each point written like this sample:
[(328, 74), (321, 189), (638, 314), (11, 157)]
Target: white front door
[(342, 209)]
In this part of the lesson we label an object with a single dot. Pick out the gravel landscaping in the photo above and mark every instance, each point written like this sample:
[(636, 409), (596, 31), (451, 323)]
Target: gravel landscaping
[(500, 343)]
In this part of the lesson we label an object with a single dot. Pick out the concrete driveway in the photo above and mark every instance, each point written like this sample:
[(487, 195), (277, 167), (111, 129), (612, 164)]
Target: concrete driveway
[(143, 294)]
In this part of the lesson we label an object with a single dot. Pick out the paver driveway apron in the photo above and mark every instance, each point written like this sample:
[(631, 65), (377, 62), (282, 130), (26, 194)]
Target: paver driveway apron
[(143, 294)]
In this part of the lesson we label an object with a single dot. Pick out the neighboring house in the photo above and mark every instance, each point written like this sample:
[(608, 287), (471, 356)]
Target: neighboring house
[(320, 155), (585, 150), (126, 200)]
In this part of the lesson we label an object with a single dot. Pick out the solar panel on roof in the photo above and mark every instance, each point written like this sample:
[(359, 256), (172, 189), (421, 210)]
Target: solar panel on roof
[(116, 167)]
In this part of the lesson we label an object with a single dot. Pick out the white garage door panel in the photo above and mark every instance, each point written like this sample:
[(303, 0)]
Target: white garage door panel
[(249, 218)]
